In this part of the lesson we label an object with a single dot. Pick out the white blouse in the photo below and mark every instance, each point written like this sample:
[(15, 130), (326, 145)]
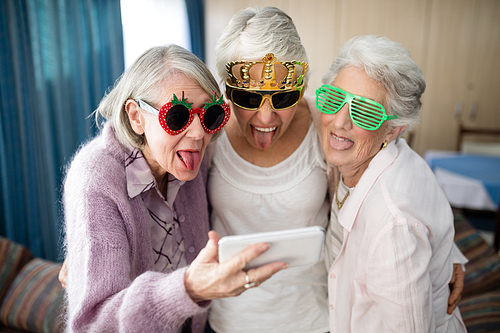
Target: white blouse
[(393, 269), (247, 198)]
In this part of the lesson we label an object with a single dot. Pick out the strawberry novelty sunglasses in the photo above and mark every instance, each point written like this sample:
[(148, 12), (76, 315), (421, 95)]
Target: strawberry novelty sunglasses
[(177, 115)]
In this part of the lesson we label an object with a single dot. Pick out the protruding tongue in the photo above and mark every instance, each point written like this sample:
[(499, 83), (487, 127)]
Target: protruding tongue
[(190, 158), (340, 145), (263, 140)]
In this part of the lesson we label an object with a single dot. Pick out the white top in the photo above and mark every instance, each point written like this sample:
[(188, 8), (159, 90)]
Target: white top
[(335, 232), (247, 198), (393, 269)]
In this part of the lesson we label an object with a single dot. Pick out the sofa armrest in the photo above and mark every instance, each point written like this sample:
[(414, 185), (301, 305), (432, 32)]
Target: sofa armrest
[(483, 269), (35, 300), (13, 257)]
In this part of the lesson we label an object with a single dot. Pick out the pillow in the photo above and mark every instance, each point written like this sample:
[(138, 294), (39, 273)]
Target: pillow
[(481, 313), (13, 257), (35, 299), (482, 272)]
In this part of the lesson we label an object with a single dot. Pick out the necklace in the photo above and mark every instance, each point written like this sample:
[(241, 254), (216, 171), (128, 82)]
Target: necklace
[(341, 203)]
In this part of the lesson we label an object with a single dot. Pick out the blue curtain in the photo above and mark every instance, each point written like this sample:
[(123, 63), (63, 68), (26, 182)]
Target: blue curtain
[(57, 58), (196, 16)]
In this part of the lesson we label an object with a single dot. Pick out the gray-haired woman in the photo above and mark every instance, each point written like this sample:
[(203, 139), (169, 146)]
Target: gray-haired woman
[(391, 235), (136, 209), (268, 172)]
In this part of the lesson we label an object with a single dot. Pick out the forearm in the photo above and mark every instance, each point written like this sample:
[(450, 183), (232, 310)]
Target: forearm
[(153, 302), (109, 287)]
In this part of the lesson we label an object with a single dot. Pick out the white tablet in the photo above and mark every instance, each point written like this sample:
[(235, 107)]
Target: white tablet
[(296, 247)]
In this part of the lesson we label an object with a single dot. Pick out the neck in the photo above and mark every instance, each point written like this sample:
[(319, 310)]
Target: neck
[(351, 176), (160, 176)]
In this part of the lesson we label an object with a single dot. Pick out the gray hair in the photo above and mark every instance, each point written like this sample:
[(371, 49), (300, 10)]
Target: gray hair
[(145, 79), (389, 63), (253, 32)]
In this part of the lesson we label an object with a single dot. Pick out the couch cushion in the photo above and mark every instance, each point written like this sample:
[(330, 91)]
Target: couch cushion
[(483, 269), (35, 299), (13, 257), (481, 313)]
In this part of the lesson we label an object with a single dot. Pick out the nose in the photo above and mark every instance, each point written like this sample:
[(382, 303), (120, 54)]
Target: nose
[(342, 118), (195, 129), (266, 113)]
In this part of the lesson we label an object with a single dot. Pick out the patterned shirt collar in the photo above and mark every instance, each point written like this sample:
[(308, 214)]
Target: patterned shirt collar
[(140, 179)]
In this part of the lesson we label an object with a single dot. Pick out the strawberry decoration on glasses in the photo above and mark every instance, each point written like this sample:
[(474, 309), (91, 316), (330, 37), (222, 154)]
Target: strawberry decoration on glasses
[(177, 115)]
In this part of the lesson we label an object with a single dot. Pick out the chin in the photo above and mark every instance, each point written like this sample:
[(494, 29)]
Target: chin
[(334, 157), (186, 175)]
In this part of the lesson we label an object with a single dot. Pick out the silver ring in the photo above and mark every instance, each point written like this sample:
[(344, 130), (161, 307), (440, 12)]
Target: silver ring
[(249, 284)]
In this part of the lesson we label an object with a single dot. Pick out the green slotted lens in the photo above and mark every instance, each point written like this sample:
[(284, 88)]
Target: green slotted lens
[(364, 112)]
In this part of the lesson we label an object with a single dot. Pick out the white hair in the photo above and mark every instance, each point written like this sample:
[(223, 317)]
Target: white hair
[(389, 63), (145, 79), (254, 32)]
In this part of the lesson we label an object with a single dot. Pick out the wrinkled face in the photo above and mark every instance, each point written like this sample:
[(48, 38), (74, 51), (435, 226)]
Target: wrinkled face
[(179, 155), (345, 144), (263, 127)]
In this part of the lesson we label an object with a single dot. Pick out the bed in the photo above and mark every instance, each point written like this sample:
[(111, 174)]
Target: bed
[(470, 176)]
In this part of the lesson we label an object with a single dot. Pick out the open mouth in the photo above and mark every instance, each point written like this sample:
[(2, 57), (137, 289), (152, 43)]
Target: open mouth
[(266, 129), (340, 143), (190, 158), (263, 136)]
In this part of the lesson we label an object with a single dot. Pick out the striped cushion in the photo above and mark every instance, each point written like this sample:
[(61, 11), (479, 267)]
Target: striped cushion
[(35, 298), (482, 313), (483, 269), (13, 257)]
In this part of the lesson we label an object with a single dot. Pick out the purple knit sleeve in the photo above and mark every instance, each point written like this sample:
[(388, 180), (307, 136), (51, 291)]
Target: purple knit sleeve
[(109, 286)]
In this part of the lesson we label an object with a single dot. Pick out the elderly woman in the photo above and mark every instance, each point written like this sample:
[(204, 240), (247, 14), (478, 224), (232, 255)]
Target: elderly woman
[(136, 209), (395, 225), (267, 159), (268, 170)]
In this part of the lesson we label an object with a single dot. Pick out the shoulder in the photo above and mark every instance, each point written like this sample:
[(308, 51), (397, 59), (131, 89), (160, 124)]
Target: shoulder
[(100, 161), (410, 176), (407, 192)]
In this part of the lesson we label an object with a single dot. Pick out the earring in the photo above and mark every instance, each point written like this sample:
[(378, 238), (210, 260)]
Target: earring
[(384, 145)]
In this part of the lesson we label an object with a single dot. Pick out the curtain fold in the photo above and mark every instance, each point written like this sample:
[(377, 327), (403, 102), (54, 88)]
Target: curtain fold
[(196, 15), (57, 58)]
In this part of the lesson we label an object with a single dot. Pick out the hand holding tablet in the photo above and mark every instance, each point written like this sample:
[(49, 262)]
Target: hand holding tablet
[(295, 247)]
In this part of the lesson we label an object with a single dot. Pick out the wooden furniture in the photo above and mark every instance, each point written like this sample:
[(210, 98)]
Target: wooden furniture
[(486, 132), (463, 131)]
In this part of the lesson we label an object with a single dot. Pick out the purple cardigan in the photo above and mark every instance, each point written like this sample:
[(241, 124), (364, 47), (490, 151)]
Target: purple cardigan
[(111, 283)]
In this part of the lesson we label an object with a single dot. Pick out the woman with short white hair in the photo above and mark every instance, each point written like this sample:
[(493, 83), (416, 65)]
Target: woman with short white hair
[(136, 212), (391, 237)]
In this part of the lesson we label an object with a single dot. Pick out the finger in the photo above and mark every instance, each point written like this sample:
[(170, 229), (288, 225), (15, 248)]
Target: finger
[(456, 292), (62, 279), (261, 274), (210, 252), (214, 236), (239, 261), (458, 286), (63, 274), (460, 276), (453, 305)]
